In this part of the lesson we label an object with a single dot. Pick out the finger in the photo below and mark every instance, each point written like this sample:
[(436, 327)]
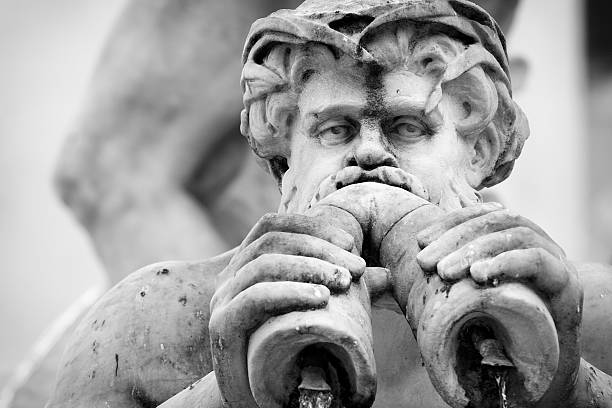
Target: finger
[(462, 234), (253, 306), (536, 265), (451, 220), (230, 326), (302, 245), (456, 265), (280, 267), (299, 224), (377, 281)]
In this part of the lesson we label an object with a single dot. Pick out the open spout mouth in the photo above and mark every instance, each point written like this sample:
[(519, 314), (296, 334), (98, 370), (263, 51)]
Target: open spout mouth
[(392, 176)]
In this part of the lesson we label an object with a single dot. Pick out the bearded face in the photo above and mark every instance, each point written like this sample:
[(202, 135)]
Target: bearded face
[(428, 112), (356, 125)]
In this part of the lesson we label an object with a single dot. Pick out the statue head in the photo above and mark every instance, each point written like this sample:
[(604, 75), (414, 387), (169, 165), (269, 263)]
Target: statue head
[(415, 93)]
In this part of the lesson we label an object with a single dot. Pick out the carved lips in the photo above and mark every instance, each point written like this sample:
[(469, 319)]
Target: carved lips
[(393, 176)]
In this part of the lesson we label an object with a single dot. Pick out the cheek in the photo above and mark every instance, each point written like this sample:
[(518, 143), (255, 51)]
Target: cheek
[(311, 163), (436, 160)]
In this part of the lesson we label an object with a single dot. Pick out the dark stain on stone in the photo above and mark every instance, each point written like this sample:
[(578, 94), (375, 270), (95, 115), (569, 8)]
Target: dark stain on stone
[(180, 365), (192, 386), (375, 107), (143, 399), (446, 289), (183, 300), (163, 271)]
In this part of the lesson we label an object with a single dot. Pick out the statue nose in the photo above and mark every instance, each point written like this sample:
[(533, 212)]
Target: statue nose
[(372, 150)]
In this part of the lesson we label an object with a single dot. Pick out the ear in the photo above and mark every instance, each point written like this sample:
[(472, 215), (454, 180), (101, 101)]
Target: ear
[(483, 151)]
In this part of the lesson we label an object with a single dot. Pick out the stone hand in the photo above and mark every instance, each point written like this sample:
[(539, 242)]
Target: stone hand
[(492, 245), (286, 263)]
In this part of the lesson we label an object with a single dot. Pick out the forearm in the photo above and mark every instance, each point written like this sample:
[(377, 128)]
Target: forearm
[(593, 388), (202, 394)]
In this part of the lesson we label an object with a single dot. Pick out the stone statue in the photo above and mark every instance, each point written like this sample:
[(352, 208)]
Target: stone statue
[(383, 279), (173, 116)]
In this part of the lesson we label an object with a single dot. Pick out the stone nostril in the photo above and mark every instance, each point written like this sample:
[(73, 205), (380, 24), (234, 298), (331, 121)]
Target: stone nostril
[(371, 165), (371, 161)]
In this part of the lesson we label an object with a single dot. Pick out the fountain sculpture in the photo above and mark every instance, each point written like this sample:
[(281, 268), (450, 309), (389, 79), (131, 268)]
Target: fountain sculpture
[(380, 120)]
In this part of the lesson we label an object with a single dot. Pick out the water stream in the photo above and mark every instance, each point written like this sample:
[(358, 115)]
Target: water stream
[(500, 379), (315, 398)]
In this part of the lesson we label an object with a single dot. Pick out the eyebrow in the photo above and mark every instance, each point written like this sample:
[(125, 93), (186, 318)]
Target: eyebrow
[(327, 111), (334, 109), (402, 105)]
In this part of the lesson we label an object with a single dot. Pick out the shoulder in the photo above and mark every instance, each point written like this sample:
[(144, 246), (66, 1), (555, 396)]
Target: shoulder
[(144, 340)]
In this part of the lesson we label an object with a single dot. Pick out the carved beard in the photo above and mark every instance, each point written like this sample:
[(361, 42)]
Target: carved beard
[(455, 192)]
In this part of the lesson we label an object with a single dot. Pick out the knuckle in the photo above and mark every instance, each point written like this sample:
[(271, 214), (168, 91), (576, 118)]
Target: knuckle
[(218, 298), (265, 243), (266, 267), (214, 301), (347, 238), (538, 258), (505, 216), (492, 205), (265, 260), (268, 219), (215, 323), (523, 232), (266, 223)]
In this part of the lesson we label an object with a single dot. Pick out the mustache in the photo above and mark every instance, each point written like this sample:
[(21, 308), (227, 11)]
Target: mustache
[(393, 176)]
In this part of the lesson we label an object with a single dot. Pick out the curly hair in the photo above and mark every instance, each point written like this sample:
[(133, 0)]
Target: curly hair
[(457, 65)]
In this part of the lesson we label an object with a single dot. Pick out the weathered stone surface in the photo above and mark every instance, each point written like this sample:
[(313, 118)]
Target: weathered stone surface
[(380, 121)]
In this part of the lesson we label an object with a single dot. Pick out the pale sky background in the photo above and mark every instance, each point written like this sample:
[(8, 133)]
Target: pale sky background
[(48, 50)]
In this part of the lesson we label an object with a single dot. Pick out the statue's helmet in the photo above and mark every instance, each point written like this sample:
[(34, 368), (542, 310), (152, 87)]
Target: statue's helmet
[(346, 27)]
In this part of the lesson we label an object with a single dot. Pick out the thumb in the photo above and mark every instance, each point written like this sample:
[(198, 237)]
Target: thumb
[(377, 281)]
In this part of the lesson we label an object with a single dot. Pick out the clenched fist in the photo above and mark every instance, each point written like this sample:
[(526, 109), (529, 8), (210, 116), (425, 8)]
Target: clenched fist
[(491, 245), (286, 263)]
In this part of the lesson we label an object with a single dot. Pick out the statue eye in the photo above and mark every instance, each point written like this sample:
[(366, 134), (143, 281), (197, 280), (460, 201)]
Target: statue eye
[(335, 133), (408, 129)]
